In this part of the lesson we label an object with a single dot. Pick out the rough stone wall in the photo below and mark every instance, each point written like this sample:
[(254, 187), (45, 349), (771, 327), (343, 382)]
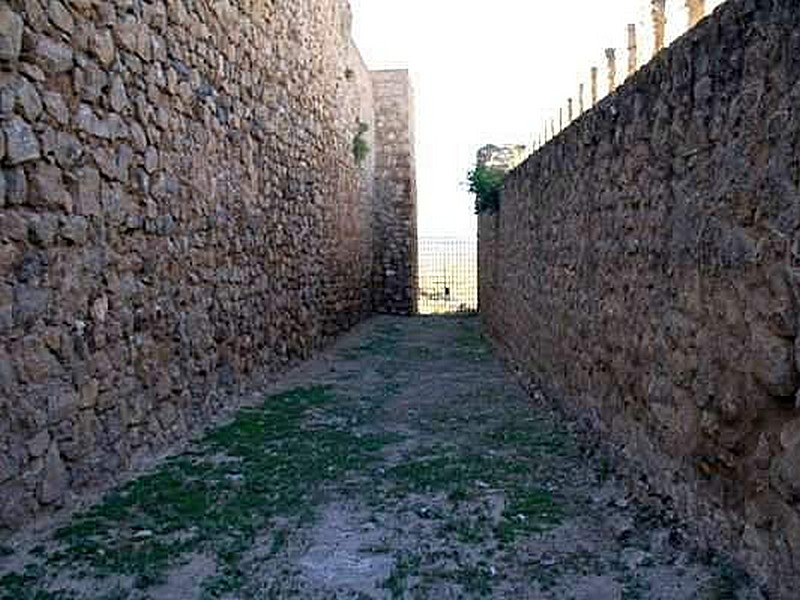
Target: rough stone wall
[(180, 214), (395, 211), (645, 266)]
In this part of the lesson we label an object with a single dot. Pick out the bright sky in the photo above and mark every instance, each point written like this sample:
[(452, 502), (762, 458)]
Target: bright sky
[(491, 71)]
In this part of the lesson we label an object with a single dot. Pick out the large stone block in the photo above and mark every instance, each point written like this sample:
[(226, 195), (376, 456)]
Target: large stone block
[(11, 26), (22, 145)]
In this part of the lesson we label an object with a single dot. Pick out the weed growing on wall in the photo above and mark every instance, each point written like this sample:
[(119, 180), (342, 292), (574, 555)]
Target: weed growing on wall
[(360, 145), (486, 182)]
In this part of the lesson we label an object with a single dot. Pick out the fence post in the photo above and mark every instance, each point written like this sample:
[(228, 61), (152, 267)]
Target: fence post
[(594, 86), (611, 57), (633, 50), (659, 23), (580, 98), (697, 10)]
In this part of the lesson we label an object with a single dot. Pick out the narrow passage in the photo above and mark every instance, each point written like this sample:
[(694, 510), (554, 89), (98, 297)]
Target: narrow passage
[(404, 463)]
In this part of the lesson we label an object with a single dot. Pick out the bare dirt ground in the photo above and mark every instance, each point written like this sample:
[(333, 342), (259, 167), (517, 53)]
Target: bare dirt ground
[(404, 463)]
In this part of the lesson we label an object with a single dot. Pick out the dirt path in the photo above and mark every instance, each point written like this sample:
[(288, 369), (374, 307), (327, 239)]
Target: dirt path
[(403, 464)]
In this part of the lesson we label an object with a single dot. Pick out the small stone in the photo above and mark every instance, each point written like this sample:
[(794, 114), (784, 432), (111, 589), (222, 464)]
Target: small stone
[(30, 304), (28, 99), (7, 378), (55, 480), (68, 150), (38, 444), (21, 142), (90, 81), (105, 160), (48, 189), (89, 393), (61, 17), (42, 230), (17, 507), (32, 72), (53, 56), (790, 434), (99, 309), (141, 181), (11, 27), (772, 362), (62, 404), (115, 202), (785, 474), (56, 107), (165, 225), (88, 196), (125, 33), (8, 99), (143, 534), (75, 230), (151, 160), (6, 313), (16, 186), (87, 121), (118, 97), (103, 47), (119, 129), (138, 137)]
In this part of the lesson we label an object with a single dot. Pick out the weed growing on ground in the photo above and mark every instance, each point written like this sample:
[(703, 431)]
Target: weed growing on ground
[(26, 586), (268, 462), (405, 566)]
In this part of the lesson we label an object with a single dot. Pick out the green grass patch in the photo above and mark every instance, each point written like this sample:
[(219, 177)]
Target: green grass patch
[(528, 437), (463, 477), (528, 511), (382, 342), (270, 461), (405, 566), (26, 586), (470, 344), (725, 585)]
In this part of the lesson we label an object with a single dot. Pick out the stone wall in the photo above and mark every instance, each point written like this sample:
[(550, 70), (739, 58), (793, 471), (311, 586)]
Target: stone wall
[(395, 270), (181, 214), (645, 267)]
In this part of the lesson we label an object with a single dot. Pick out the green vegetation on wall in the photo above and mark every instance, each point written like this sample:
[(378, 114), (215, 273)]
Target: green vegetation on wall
[(360, 145), (486, 182)]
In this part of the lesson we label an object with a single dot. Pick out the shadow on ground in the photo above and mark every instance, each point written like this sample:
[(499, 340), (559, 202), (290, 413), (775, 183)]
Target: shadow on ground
[(405, 463)]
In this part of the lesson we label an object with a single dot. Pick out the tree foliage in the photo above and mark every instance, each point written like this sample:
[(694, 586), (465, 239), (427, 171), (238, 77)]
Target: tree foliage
[(486, 182)]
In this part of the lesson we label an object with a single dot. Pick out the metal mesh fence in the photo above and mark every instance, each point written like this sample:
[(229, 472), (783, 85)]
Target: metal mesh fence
[(448, 276)]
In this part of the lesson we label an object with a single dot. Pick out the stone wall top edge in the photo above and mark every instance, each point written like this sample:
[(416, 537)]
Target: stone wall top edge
[(695, 41)]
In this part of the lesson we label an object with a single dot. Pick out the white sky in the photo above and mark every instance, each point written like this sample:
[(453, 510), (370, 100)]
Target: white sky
[(491, 71)]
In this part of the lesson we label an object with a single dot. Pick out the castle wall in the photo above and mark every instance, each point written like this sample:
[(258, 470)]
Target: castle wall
[(645, 267), (395, 210), (181, 215)]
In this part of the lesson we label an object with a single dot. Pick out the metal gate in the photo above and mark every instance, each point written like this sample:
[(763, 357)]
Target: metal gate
[(448, 276)]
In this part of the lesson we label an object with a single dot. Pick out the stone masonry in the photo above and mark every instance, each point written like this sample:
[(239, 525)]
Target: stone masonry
[(395, 271), (181, 214), (645, 265)]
